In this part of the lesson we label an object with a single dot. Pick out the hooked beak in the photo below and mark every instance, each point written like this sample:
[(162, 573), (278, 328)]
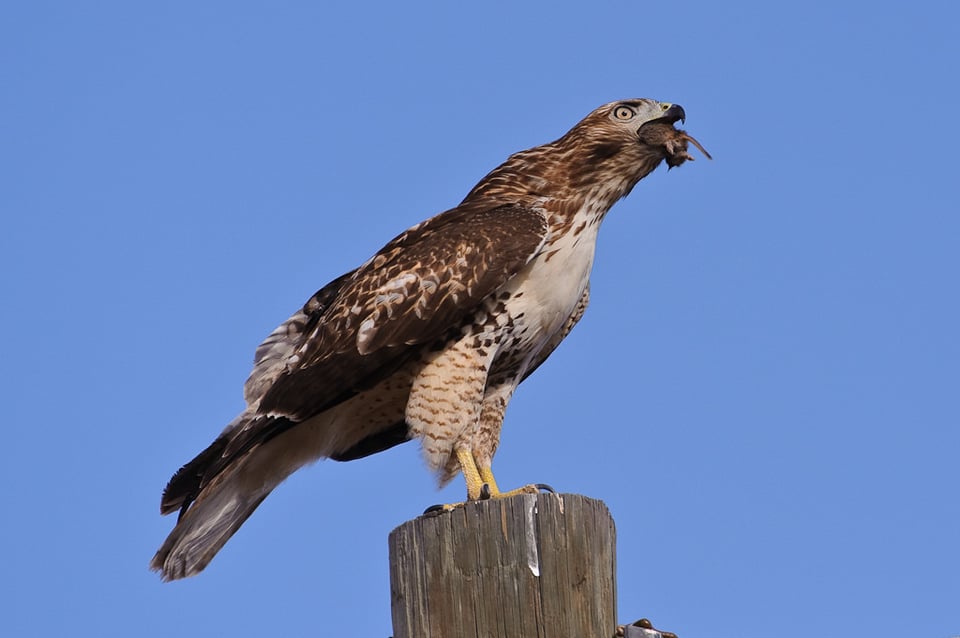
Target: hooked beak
[(673, 113)]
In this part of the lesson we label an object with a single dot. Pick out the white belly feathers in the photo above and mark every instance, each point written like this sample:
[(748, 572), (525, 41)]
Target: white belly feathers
[(547, 291)]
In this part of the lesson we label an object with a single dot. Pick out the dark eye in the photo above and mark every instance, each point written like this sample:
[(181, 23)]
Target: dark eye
[(623, 113)]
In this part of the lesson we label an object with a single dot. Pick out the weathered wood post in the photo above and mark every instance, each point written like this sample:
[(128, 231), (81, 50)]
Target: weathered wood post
[(534, 565)]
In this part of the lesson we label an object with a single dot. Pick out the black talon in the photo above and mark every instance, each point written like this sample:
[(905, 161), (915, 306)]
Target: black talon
[(433, 510), (485, 492), (543, 487)]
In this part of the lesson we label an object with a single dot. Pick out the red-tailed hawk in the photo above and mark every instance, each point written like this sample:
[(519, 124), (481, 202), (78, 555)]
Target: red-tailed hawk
[(429, 338)]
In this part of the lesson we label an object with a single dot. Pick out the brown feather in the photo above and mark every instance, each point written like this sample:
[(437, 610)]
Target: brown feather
[(339, 377), (412, 292)]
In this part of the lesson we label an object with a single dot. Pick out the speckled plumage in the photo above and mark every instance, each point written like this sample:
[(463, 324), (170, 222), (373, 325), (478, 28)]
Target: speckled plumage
[(431, 336)]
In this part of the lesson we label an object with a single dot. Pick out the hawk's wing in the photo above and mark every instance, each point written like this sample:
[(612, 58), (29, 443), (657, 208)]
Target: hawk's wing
[(362, 327), (271, 357)]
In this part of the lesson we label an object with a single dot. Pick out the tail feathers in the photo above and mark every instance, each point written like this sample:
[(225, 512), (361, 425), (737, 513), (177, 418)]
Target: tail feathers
[(206, 526), (241, 436), (189, 479)]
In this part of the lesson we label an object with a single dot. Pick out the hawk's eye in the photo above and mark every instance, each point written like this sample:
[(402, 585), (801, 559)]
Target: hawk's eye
[(623, 113)]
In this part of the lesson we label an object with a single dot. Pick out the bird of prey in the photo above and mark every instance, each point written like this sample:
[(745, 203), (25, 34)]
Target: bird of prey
[(430, 337)]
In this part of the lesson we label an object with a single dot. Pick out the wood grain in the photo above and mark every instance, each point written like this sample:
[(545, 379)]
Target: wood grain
[(530, 565)]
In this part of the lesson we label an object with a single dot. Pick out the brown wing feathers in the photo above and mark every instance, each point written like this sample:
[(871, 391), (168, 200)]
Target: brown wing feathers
[(408, 294), (411, 293), (419, 291)]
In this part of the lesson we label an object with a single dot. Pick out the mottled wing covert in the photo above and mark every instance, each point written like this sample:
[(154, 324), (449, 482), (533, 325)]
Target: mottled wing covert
[(273, 355), (417, 288)]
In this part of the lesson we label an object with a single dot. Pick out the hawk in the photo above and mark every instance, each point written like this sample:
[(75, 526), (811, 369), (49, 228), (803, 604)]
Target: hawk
[(431, 336)]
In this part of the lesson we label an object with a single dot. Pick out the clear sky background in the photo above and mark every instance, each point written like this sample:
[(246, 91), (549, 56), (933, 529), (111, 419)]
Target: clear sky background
[(765, 390)]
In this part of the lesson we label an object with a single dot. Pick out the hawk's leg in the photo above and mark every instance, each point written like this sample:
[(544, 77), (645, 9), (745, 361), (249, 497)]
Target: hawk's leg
[(480, 483), (471, 474), (486, 475)]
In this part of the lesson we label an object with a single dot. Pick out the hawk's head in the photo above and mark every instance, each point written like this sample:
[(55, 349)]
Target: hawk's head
[(635, 113), (618, 144), (620, 127), (599, 159)]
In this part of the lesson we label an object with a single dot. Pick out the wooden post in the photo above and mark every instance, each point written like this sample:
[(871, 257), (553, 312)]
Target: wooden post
[(534, 565)]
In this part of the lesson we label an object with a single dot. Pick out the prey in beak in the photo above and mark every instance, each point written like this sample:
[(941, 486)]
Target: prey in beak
[(661, 132)]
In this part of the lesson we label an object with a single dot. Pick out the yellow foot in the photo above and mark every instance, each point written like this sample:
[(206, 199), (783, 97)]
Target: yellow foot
[(489, 488), (533, 488), (481, 485)]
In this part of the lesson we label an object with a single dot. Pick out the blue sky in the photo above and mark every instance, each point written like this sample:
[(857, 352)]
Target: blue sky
[(764, 390)]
